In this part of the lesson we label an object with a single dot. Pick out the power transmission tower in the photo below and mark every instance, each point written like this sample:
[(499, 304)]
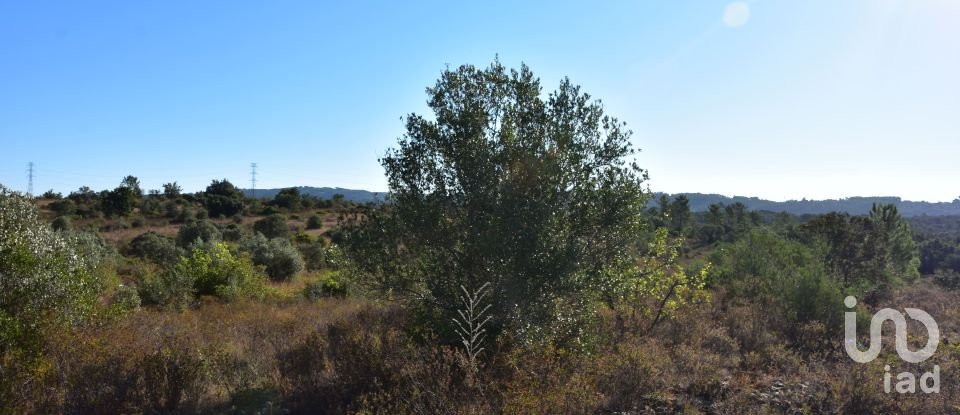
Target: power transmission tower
[(253, 180), (30, 178)]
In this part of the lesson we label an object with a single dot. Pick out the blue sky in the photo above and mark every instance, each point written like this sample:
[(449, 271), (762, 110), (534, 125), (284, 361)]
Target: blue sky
[(815, 99)]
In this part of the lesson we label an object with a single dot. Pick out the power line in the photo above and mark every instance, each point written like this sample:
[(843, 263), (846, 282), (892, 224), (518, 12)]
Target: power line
[(253, 180), (30, 178)]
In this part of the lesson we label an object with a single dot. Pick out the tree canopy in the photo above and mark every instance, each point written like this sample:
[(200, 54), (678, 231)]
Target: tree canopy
[(536, 195)]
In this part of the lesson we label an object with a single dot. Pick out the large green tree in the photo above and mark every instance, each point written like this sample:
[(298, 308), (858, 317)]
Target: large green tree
[(222, 198), (535, 194)]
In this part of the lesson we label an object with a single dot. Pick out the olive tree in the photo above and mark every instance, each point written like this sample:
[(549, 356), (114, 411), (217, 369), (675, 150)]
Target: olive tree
[(45, 276), (535, 194)]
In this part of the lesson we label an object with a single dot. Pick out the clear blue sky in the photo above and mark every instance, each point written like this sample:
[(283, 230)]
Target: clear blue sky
[(777, 99)]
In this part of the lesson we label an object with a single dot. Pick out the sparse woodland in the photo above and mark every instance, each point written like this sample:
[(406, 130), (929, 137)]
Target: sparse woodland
[(519, 265)]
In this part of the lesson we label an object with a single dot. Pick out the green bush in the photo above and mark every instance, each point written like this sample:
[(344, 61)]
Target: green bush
[(171, 289), (125, 299), (91, 247), (223, 198), (269, 210), (317, 256), (171, 209), (185, 214), (63, 207), (119, 201), (327, 287), (273, 226), (278, 256), (203, 231), (949, 280), (48, 281), (302, 237), (233, 233), (62, 223), (154, 247), (287, 199), (216, 271), (783, 276), (212, 270), (151, 206), (314, 222)]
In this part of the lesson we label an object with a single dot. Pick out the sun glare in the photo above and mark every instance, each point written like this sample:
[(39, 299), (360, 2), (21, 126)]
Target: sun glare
[(736, 14)]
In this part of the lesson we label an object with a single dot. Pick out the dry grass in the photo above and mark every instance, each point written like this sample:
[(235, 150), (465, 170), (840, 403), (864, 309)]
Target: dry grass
[(121, 231)]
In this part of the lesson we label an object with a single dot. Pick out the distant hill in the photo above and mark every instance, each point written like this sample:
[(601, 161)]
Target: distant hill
[(353, 195), (700, 202), (854, 205)]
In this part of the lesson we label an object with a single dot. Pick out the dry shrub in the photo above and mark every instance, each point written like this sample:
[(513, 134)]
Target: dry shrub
[(182, 362), (550, 381), (369, 365), (350, 356), (751, 327), (633, 378)]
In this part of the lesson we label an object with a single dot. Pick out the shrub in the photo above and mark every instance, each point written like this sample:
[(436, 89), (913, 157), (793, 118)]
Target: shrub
[(319, 257), (41, 269), (63, 207), (952, 262), (204, 231), (47, 282), (223, 198), (216, 271), (327, 287), (783, 276), (119, 201), (185, 214), (125, 299), (171, 210), (91, 247), (121, 372), (949, 280), (209, 270), (302, 237), (269, 210), (314, 222), (233, 233), (151, 206), (273, 226), (61, 223), (154, 247), (277, 255), (287, 199), (171, 289), (51, 195)]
